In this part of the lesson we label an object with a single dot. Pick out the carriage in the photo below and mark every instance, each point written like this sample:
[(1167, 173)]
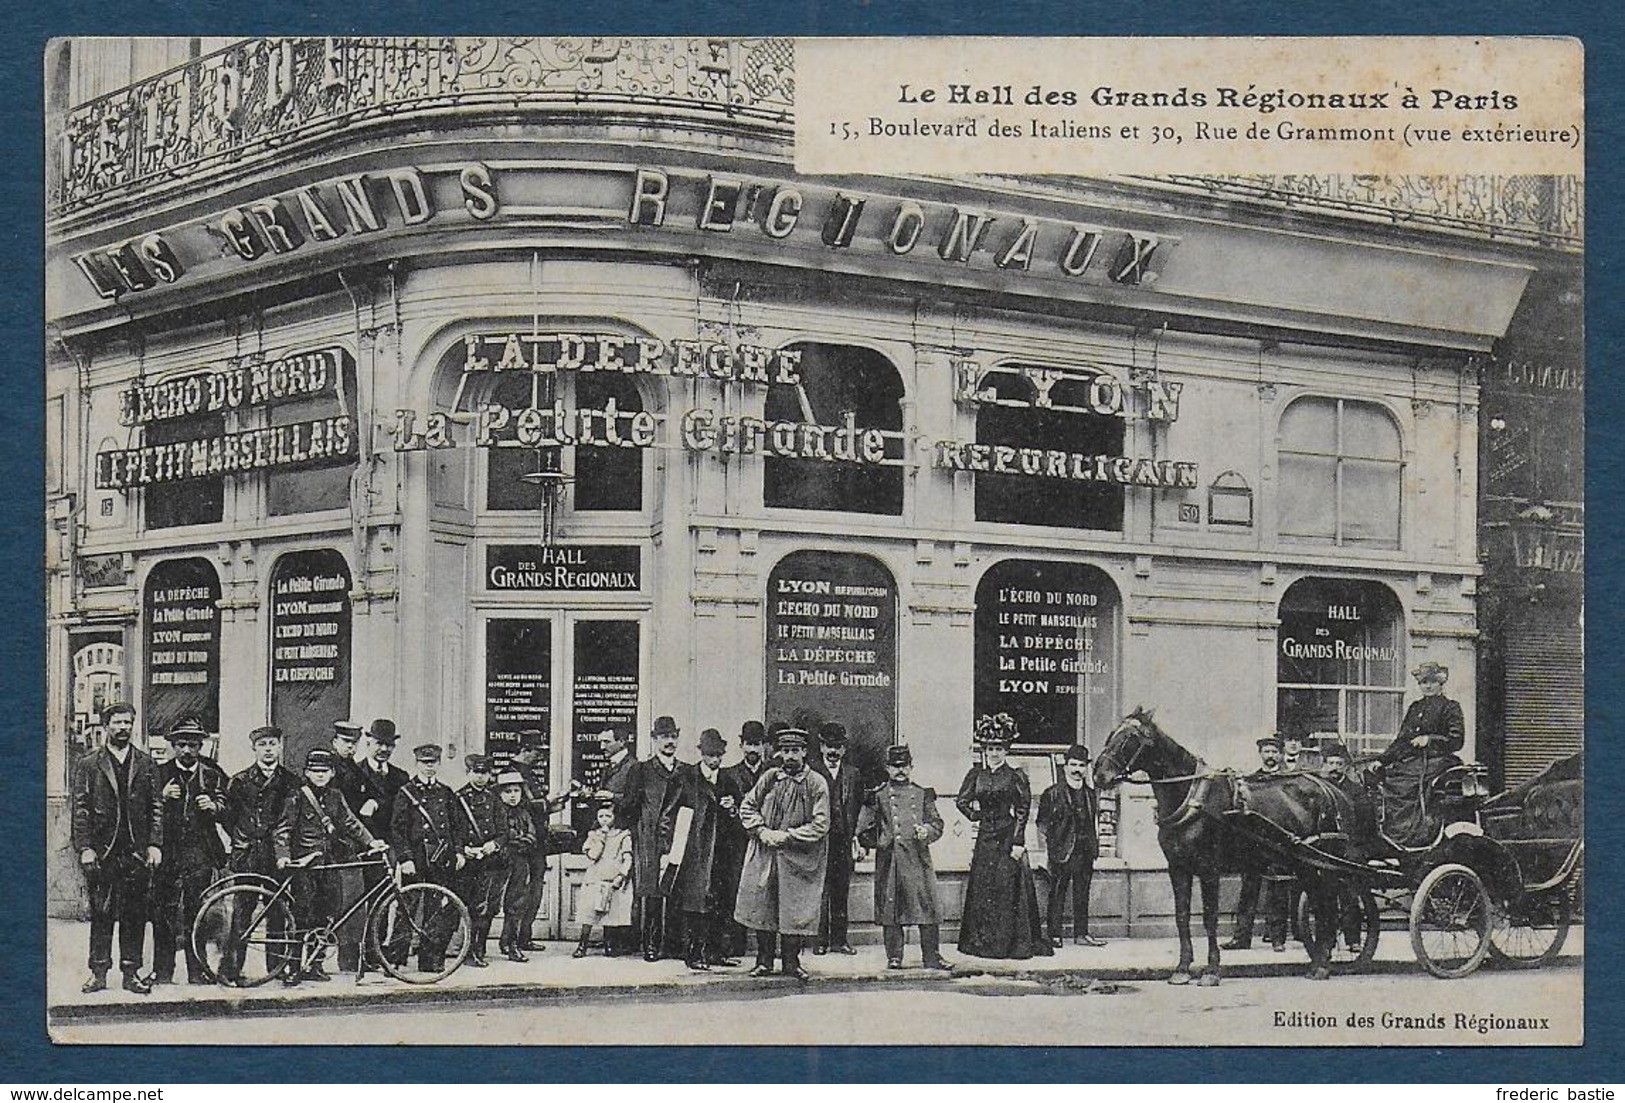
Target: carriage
[(1499, 879)]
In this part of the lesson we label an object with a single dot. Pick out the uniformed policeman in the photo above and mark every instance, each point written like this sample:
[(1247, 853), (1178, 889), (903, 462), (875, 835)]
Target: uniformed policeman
[(427, 839), (480, 885), (347, 780), (899, 821)]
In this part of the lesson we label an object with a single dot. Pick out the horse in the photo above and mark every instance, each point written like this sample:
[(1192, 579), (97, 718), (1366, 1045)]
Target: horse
[(1200, 844)]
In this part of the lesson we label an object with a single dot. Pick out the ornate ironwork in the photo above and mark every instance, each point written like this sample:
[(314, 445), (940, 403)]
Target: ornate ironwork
[(240, 104), (1543, 210)]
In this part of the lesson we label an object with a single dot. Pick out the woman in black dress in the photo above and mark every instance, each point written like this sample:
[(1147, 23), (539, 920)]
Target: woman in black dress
[(1001, 903)]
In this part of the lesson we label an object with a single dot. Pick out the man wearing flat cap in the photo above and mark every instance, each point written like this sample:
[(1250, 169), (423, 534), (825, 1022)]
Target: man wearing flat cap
[(118, 830), (899, 821), (480, 885), (782, 885), (255, 798), (1067, 812), (1433, 730), (845, 801), (639, 807), (349, 783), (194, 795), (1270, 749), (427, 840), (619, 938), (689, 821)]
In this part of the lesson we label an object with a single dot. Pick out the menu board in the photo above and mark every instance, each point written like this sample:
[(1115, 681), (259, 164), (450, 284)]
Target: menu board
[(181, 645), (832, 648), (604, 691), (518, 683), (310, 648), (1042, 646)]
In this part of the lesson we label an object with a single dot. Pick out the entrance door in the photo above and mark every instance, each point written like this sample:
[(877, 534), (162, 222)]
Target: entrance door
[(569, 675)]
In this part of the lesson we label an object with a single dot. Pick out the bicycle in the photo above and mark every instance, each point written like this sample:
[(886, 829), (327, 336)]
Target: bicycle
[(245, 933)]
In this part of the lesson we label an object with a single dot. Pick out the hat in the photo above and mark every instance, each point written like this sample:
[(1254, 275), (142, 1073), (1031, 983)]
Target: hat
[(116, 708), (532, 739), (510, 777), (269, 731), (898, 754), (383, 731), (477, 763), (187, 730), (1430, 671), (997, 730), (426, 752), (319, 758), (347, 729), (665, 725), (832, 735), (711, 742), (751, 731), (1334, 750), (1270, 741), (790, 737), (1077, 753)]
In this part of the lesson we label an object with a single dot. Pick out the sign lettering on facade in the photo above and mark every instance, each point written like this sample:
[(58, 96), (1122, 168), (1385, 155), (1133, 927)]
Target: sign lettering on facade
[(181, 644), (317, 374), (563, 567), (310, 646)]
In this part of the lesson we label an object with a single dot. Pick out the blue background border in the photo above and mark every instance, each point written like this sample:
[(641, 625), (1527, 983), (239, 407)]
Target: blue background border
[(27, 1056)]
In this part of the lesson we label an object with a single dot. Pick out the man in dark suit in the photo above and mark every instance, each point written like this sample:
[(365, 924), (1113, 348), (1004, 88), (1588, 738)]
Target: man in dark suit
[(1066, 815), (255, 798), (639, 807), (347, 783), (379, 781), (527, 762), (480, 885), (845, 802), (688, 847), (193, 790), (1270, 750), (732, 838), (118, 827)]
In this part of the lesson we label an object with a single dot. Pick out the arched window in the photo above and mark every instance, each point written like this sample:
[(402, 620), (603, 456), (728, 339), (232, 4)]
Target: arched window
[(1340, 662), (837, 380), (1011, 416), (310, 628), (607, 478), (180, 612), (189, 501), (1340, 474)]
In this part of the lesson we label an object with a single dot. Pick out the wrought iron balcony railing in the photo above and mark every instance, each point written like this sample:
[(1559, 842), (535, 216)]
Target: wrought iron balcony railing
[(241, 104)]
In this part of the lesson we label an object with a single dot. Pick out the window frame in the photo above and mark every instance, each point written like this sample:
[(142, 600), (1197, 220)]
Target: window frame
[(1339, 459)]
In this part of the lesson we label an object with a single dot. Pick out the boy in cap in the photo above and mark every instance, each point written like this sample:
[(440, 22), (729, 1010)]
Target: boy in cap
[(1067, 812), (194, 798), (639, 807), (315, 825), (480, 885), (427, 840), (845, 800), (688, 846), (899, 821), (518, 842), (118, 832)]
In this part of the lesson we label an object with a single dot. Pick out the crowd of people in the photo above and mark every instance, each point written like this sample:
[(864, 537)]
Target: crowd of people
[(689, 860)]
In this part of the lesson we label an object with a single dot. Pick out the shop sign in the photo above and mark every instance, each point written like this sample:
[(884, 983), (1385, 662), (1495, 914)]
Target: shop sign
[(1051, 463), (317, 374), (181, 644), (277, 446), (574, 568), (608, 352), (310, 646), (518, 682), (603, 691), (1536, 549)]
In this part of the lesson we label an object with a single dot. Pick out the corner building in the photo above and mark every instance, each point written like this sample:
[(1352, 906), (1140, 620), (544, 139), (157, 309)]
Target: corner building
[(531, 387)]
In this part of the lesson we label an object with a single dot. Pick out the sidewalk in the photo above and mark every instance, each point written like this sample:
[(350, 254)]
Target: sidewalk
[(553, 975)]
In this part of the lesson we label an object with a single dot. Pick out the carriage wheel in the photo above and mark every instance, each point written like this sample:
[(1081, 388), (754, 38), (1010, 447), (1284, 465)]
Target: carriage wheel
[(1451, 916), (420, 934), (1532, 934), (244, 935), (1360, 917)]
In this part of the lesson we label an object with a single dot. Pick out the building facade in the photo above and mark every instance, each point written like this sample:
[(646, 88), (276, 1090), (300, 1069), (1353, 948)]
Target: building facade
[(494, 384)]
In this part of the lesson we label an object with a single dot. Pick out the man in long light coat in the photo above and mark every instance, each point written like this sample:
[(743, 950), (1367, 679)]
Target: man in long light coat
[(900, 822), (781, 886)]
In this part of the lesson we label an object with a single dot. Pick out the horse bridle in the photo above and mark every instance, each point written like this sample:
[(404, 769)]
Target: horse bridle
[(1128, 767)]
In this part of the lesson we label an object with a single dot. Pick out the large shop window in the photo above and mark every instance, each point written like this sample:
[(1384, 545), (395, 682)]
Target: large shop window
[(180, 617), (1046, 650), (191, 501), (832, 648), (1340, 478), (310, 647), (306, 490), (837, 380), (605, 478), (1011, 417), (1340, 666)]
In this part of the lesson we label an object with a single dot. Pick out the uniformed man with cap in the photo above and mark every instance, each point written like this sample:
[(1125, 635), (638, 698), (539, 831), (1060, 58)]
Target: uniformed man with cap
[(845, 800), (317, 827), (480, 884), (348, 781), (194, 794), (1067, 812), (639, 807), (427, 833), (899, 821), (619, 938), (782, 885), (346, 770), (1270, 750), (254, 802)]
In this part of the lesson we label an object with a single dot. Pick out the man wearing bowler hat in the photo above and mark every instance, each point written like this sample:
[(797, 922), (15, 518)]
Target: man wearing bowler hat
[(690, 819), (480, 884), (782, 885), (380, 780), (1067, 812), (639, 807), (900, 821), (845, 800), (1270, 749), (194, 797)]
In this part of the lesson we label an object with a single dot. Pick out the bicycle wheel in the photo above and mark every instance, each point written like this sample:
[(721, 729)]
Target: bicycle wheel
[(420, 933), (1450, 921), (1359, 925), (1532, 935), (244, 935)]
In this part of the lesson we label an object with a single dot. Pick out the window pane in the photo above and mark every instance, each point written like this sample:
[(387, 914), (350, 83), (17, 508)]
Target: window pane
[(1371, 503), (1372, 713), (1306, 711), (192, 501), (1310, 425), (1309, 497), (505, 464), (1369, 432), (608, 478), (314, 488), (836, 379), (1029, 500)]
